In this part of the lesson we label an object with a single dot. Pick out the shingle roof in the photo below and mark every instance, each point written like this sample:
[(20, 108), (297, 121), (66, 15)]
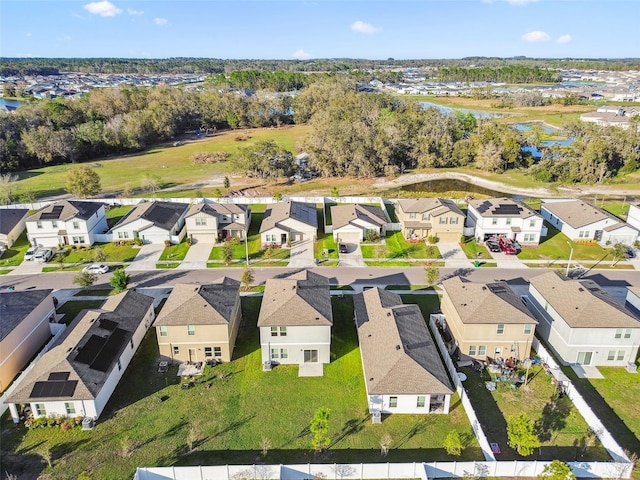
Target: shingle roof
[(502, 207), (343, 215), (398, 352), (161, 214), (278, 212), (301, 299), (577, 213), (64, 210), (216, 209), (10, 217), (83, 353), (582, 303), (435, 206), (490, 303), (16, 306), (195, 304)]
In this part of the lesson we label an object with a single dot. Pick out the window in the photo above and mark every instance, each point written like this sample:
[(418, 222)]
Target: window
[(472, 350), (54, 223), (529, 237), (422, 401), (627, 333), (532, 223), (443, 220), (270, 237), (583, 234), (176, 350), (76, 225), (274, 353), (191, 330), (70, 408), (119, 365), (40, 410), (163, 331), (131, 343), (620, 355), (426, 216), (201, 221), (618, 333), (39, 224), (508, 222), (393, 402), (283, 331), (612, 355), (494, 221), (482, 350), (217, 351), (528, 329), (208, 352), (284, 353), (500, 329), (453, 220), (275, 331), (122, 235), (412, 215), (77, 240)]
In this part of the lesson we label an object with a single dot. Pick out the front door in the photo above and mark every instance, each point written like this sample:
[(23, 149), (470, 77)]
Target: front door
[(283, 238), (192, 355), (584, 358), (311, 356)]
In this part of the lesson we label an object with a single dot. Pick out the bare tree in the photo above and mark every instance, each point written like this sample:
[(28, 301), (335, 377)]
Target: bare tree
[(385, 443), (151, 183), (193, 436), (7, 183), (265, 445), (45, 453)]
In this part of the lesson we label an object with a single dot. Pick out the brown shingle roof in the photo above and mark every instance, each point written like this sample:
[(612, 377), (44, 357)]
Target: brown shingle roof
[(577, 213), (215, 209), (435, 206), (490, 303), (195, 304), (398, 352), (64, 210), (278, 212), (582, 303), (302, 299), (343, 215)]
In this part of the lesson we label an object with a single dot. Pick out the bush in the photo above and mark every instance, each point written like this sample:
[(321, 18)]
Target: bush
[(371, 236), (167, 243), (206, 158), (66, 425), (432, 239), (138, 242), (241, 138)]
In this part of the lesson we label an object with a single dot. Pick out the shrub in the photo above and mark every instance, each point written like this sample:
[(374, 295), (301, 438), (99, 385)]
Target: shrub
[(66, 425), (77, 421), (432, 239), (241, 138), (371, 236), (167, 243), (205, 158)]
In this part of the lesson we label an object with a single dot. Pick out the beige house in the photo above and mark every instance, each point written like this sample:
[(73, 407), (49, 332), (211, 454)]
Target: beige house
[(430, 217), (352, 222), (287, 222), (487, 320), (24, 329), (213, 222), (12, 224), (200, 322)]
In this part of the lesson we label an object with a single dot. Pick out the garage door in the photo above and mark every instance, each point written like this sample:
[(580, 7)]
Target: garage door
[(204, 237), (449, 237), (349, 237)]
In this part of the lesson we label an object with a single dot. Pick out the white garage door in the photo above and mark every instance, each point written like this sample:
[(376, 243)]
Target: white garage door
[(204, 237), (349, 237)]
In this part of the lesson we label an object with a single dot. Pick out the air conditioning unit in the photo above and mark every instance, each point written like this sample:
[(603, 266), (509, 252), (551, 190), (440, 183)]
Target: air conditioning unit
[(87, 423), (267, 366), (376, 416)]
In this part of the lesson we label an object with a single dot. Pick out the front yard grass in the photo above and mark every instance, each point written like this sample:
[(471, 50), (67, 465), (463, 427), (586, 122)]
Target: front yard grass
[(12, 257), (325, 241), (475, 250), (229, 419), (71, 308), (175, 252), (396, 247), (115, 253)]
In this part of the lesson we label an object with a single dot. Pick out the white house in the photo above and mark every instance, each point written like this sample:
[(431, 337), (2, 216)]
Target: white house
[(581, 221), (506, 217), (213, 222), (285, 222), (633, 217), (295, 320), (12, 224), (77, 376), (401, 364), (582, 323), (352, 222), (633, 298), (153, 222), (66, 222)]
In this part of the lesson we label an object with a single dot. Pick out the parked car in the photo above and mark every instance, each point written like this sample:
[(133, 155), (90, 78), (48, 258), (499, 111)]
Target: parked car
[(629, 253), (506, 245), (96, 268), (29, 254), (493, 246), (43, 255), (342, 248)]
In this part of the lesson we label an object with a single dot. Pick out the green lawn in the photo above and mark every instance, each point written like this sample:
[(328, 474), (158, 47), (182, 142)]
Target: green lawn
[(325, 241), (115, 214), (115, 253), (396, 247), (391, 211), (175, 252), (619, 209), (474, 250), (232, 416), (12, 257), (71, 308)]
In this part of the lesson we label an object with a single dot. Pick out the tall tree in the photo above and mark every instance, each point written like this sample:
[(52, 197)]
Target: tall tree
[(557, 470), (83, 181), (521, 433)]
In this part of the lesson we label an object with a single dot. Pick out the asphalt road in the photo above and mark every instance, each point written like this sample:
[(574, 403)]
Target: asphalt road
[(337, 275)]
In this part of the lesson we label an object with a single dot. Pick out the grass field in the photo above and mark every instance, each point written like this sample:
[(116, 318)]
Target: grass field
[(175, 252), (115, 253), (396, 247), (475, 250)]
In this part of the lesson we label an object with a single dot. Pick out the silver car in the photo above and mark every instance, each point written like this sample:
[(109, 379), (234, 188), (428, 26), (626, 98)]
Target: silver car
[(43, 255)]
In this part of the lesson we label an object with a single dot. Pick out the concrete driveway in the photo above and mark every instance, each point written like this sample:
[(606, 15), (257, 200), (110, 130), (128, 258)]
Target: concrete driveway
[(197, 256), (147, 257), (453, 255), (301, 255), (353, 257)]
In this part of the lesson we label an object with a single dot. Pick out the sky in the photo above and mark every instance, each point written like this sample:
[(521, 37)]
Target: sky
[(307, 29)]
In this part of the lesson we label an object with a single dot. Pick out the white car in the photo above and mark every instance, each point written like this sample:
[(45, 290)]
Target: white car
[(43, 255), (29, 254), (96, 268)]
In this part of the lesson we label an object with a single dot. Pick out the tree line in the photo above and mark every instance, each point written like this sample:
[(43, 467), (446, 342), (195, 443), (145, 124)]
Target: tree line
[(505, 74)]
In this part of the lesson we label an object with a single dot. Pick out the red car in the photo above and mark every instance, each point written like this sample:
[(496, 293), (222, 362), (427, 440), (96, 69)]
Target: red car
[(507, 246)]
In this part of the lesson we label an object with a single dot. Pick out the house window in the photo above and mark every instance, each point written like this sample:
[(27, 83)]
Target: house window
[(54, 223), (426, 216), (208, 352), (532, 223), (620, 355), (191, 330), (76, 225), (528, 328), (70, 408), (163, 331), (500, 329), (40, 410), (270, 237), (284, 353), (39, 224), (77, 240), (393, 402), (529, 237), (583, 234), (612, 355), (494, 221), (453, 220), (412, 215), (119, 365), (274, 331), (201, 221), (508, 222), (443, 220), (627, 333), (217, 351), (274, 353), (422, 401), (482, 350), (472, 350), (122, 235), (618, 333), (176, 351)]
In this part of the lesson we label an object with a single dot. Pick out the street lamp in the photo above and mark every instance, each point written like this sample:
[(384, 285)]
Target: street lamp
[(570, 255)]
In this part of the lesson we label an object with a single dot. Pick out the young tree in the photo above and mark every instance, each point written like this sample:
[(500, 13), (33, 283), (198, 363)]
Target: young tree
[(246, 278), (265, 445), (618, 251), (119, 280), (227, 253), (85, 279), (151, 183), (521, 433), (7, 183), (432, 274), (385, 443), (83, 181), (45, 453), (557, 470), (227, 183), (99, 255), (453, 443), (193, 436), (320, 429)]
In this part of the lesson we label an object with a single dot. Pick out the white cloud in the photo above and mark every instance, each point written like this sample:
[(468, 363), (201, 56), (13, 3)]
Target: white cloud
[(161, 22), (363, 27), (103, 8), (536, 36), (301, 55), (564, 39), (131, 11)]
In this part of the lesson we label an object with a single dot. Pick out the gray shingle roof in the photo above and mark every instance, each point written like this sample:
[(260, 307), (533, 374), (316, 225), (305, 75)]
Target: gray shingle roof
[(16, 306), (301, 299), (503, 208), (434, 206), (162, 214), (342, 215), (195, 304), (582, 303), (216, 209), (577, 213), (398, 352), (490, 303), (278, 212), (64, 210), (10, 217)]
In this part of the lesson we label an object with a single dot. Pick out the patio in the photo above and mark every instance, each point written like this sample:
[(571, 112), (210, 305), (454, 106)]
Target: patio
[(190, 369)]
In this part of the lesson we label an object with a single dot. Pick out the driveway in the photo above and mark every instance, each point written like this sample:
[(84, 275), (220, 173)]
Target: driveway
[(453, 255), (197, 256), (507, 261), (147, 257), (301, 255), (27, 268), (353, 257)]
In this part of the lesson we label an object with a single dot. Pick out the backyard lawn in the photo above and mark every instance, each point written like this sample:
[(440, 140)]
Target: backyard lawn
[(71, 308), (150, 417), (12, 257), (115, 214), (396, 247)]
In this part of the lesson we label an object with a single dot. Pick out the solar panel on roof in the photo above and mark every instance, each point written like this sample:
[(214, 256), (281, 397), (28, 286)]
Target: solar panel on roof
[(69, 388), (64, 388), (108, 324), (58, 375), (507, 209), (90, 349), (110, 350), (54, 214)]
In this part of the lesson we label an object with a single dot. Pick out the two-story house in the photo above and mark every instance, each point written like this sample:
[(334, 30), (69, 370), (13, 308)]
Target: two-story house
[(200, 322), (505, 217), (66, 222), (487, 319), (153, 222), (288, 222), (430, 217), (633, 216), (215, 222), (582, 323)]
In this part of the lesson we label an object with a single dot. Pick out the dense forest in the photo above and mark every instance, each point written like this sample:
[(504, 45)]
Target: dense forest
[(510, 74), (357, 134)]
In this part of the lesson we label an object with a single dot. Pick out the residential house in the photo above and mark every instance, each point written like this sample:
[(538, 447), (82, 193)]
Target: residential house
[(633, 299), (430, 217), (78, 374), (582, 323), (581, 221), (487, 319), (153, 222), (505, 217), (287, 222), (12, 224), (24, 329), (66, 222), (214, 222), (200, 322), (295, 320), (633, 217), (401, 364), (351, 223)]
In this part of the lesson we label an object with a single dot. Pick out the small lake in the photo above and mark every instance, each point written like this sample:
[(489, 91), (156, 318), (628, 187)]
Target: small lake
[(10, 104), (475, 113)]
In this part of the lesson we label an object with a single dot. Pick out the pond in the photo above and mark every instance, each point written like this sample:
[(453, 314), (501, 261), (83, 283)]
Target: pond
[(475, 113), (536, 152)]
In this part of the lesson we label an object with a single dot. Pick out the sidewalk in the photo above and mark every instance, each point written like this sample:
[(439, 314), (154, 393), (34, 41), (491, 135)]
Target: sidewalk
[(197, 256)]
